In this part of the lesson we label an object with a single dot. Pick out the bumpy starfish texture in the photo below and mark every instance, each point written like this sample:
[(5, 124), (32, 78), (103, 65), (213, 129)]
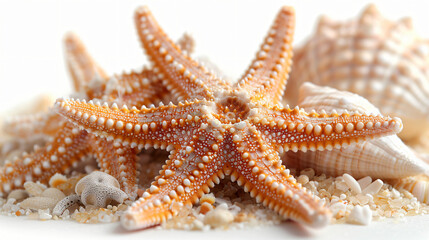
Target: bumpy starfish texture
[(223, 130), (68, 144), (385, 158)]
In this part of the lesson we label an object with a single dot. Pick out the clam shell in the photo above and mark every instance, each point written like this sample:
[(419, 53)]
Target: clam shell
[(386, 157), (385, 62)]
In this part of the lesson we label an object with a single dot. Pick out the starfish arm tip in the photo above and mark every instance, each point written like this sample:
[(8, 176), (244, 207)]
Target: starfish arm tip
[(320, 219)]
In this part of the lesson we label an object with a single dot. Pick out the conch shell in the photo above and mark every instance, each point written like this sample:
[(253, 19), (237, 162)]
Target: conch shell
[(383, 61), (386, 157)]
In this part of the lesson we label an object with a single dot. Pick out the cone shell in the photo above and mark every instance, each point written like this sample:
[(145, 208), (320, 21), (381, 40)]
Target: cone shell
[(386, 157), (417, 185), (381, 60)]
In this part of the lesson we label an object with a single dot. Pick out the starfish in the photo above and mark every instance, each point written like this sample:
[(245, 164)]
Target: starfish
[(220, 129), (68, 144)]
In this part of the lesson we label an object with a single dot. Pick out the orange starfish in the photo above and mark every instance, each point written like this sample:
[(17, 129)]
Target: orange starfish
[(68, 144), (224, 130)]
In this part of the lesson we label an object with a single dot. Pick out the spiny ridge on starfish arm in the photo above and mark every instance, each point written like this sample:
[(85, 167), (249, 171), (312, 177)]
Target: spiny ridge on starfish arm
[(223, 130), (44, 124), (189, 78), (67, 148), (82, 67), (139, 88), (67, 144)]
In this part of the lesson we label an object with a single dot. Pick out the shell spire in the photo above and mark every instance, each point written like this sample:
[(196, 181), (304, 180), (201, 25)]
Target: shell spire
[(384, 61)]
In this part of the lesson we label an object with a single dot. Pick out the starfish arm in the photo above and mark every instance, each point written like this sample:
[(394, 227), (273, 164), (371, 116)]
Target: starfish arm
[(186, 43), (186, 78), (257, 167), (66, 149), (187, 175), (297, 130), (163, 126), (136, 88), (118, 161), (83, 69), (30, 126), (267, 75)]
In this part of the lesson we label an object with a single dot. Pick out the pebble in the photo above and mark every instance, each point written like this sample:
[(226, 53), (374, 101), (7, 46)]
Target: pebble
[(44, 214), (303, 179), (18, 194), (104, 217), (364, 182), (360, 215), (337, 207), (352, 183), (218, 218), (342, 186), (37, 203), (373, 188), (34, 189), (197, 225), (309, 172), (363, 199), (53, 193)]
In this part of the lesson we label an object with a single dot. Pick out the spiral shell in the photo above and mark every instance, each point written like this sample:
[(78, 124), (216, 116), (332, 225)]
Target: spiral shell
[(386, 157), (383, 61)]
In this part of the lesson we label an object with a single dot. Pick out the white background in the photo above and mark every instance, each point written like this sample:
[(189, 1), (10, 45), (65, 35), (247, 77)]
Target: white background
[(228, 32)]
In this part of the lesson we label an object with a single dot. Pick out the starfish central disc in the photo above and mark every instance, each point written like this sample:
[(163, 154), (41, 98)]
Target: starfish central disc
[(233, 107)]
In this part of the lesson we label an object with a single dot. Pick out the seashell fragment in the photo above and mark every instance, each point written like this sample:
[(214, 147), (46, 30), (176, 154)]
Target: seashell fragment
[(34, 189), (53, 193), (18, 194), (37, 203), (417, 185), (207, 201), (386, 157), (57, 179), (66, 203), (384, 61), (99, 189)]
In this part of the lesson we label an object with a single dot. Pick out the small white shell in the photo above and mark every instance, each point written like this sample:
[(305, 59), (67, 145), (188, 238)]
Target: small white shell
[(417, 185), (386, 157), (381, 60)]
